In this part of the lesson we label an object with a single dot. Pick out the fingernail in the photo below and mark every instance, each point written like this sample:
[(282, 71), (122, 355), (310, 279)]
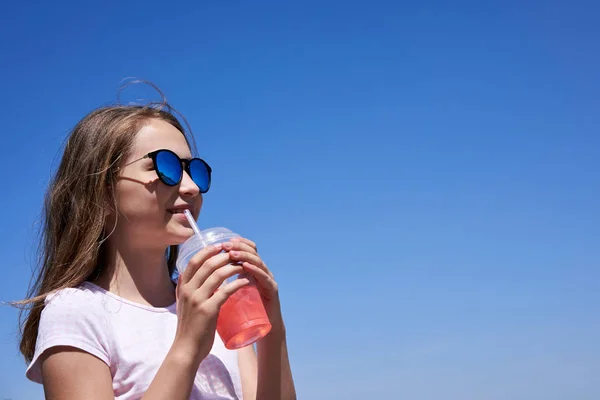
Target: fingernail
[(235, 239), (235, 253), (218, 246), (228, 245)]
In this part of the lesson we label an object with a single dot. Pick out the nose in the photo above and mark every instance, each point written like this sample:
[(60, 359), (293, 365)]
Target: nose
[(188, 188)]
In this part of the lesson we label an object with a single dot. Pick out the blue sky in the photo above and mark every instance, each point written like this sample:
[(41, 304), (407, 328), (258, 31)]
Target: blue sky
[(421, 178)]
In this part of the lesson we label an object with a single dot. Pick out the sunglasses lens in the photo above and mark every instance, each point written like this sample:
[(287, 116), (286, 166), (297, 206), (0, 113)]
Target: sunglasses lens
[(168, 168), (200, 174)]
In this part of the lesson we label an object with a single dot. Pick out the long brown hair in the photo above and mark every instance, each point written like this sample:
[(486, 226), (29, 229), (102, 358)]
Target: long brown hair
[(78, 201)]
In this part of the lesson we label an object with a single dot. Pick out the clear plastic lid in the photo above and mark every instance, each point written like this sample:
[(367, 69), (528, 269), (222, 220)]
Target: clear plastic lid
[(196, 243), (217, 235)]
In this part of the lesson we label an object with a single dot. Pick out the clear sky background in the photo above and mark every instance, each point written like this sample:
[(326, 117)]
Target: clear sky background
[(423, 179)]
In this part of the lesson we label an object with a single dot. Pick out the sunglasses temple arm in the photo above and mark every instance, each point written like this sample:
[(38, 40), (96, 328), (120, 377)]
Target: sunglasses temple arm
[(134, 161)]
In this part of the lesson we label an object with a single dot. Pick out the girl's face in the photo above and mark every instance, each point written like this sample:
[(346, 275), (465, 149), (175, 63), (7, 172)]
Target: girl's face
[(150, 213)]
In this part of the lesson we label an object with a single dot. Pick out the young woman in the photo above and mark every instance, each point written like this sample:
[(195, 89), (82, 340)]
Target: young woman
[(106, 320)]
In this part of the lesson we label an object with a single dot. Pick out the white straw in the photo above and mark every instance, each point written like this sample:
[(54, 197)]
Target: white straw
[(193, 224)]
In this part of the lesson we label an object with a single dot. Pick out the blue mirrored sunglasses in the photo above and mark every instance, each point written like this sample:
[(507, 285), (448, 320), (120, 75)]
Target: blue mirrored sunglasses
[(169, 168)]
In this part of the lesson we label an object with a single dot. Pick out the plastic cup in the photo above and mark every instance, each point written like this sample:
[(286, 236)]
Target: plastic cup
[(242, 319)]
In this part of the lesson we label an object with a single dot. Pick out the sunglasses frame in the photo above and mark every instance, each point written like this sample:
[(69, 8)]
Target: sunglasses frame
[(182, 161)]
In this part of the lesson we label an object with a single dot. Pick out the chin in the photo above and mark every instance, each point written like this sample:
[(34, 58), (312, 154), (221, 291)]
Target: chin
[(180, 235)]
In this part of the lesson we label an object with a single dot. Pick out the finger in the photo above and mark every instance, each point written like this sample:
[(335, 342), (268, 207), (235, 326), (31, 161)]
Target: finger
[(239, 246), (245, 256), (216, 279), (246, 241), (242, 256), (263, 278), (221, 296), (198, 259), (206, 269)]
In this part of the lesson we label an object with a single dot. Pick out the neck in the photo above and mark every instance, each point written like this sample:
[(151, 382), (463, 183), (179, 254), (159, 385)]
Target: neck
[(136, 273)]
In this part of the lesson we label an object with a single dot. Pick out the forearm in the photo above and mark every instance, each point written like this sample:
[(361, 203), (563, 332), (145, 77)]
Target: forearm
[(275, 380), (175, 377)]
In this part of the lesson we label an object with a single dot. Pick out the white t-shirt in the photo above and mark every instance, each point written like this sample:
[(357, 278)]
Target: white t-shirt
[(132, 339)]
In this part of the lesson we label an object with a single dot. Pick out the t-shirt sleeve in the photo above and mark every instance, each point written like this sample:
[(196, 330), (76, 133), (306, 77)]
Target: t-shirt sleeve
[(73, 318)]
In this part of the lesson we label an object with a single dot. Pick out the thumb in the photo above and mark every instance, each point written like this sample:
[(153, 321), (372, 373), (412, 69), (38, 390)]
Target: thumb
[(178, 288)]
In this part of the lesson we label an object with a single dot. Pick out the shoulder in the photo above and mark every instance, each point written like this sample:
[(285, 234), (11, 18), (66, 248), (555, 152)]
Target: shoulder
[(76, 300), (72, 306), (72, 317)]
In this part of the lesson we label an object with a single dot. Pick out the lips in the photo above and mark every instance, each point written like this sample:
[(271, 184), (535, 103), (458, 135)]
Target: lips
[(178, 210)]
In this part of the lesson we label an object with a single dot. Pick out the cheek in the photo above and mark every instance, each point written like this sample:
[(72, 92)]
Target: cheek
[(136, 201)]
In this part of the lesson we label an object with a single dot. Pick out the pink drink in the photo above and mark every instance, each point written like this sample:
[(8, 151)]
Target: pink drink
[(242, 319)]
